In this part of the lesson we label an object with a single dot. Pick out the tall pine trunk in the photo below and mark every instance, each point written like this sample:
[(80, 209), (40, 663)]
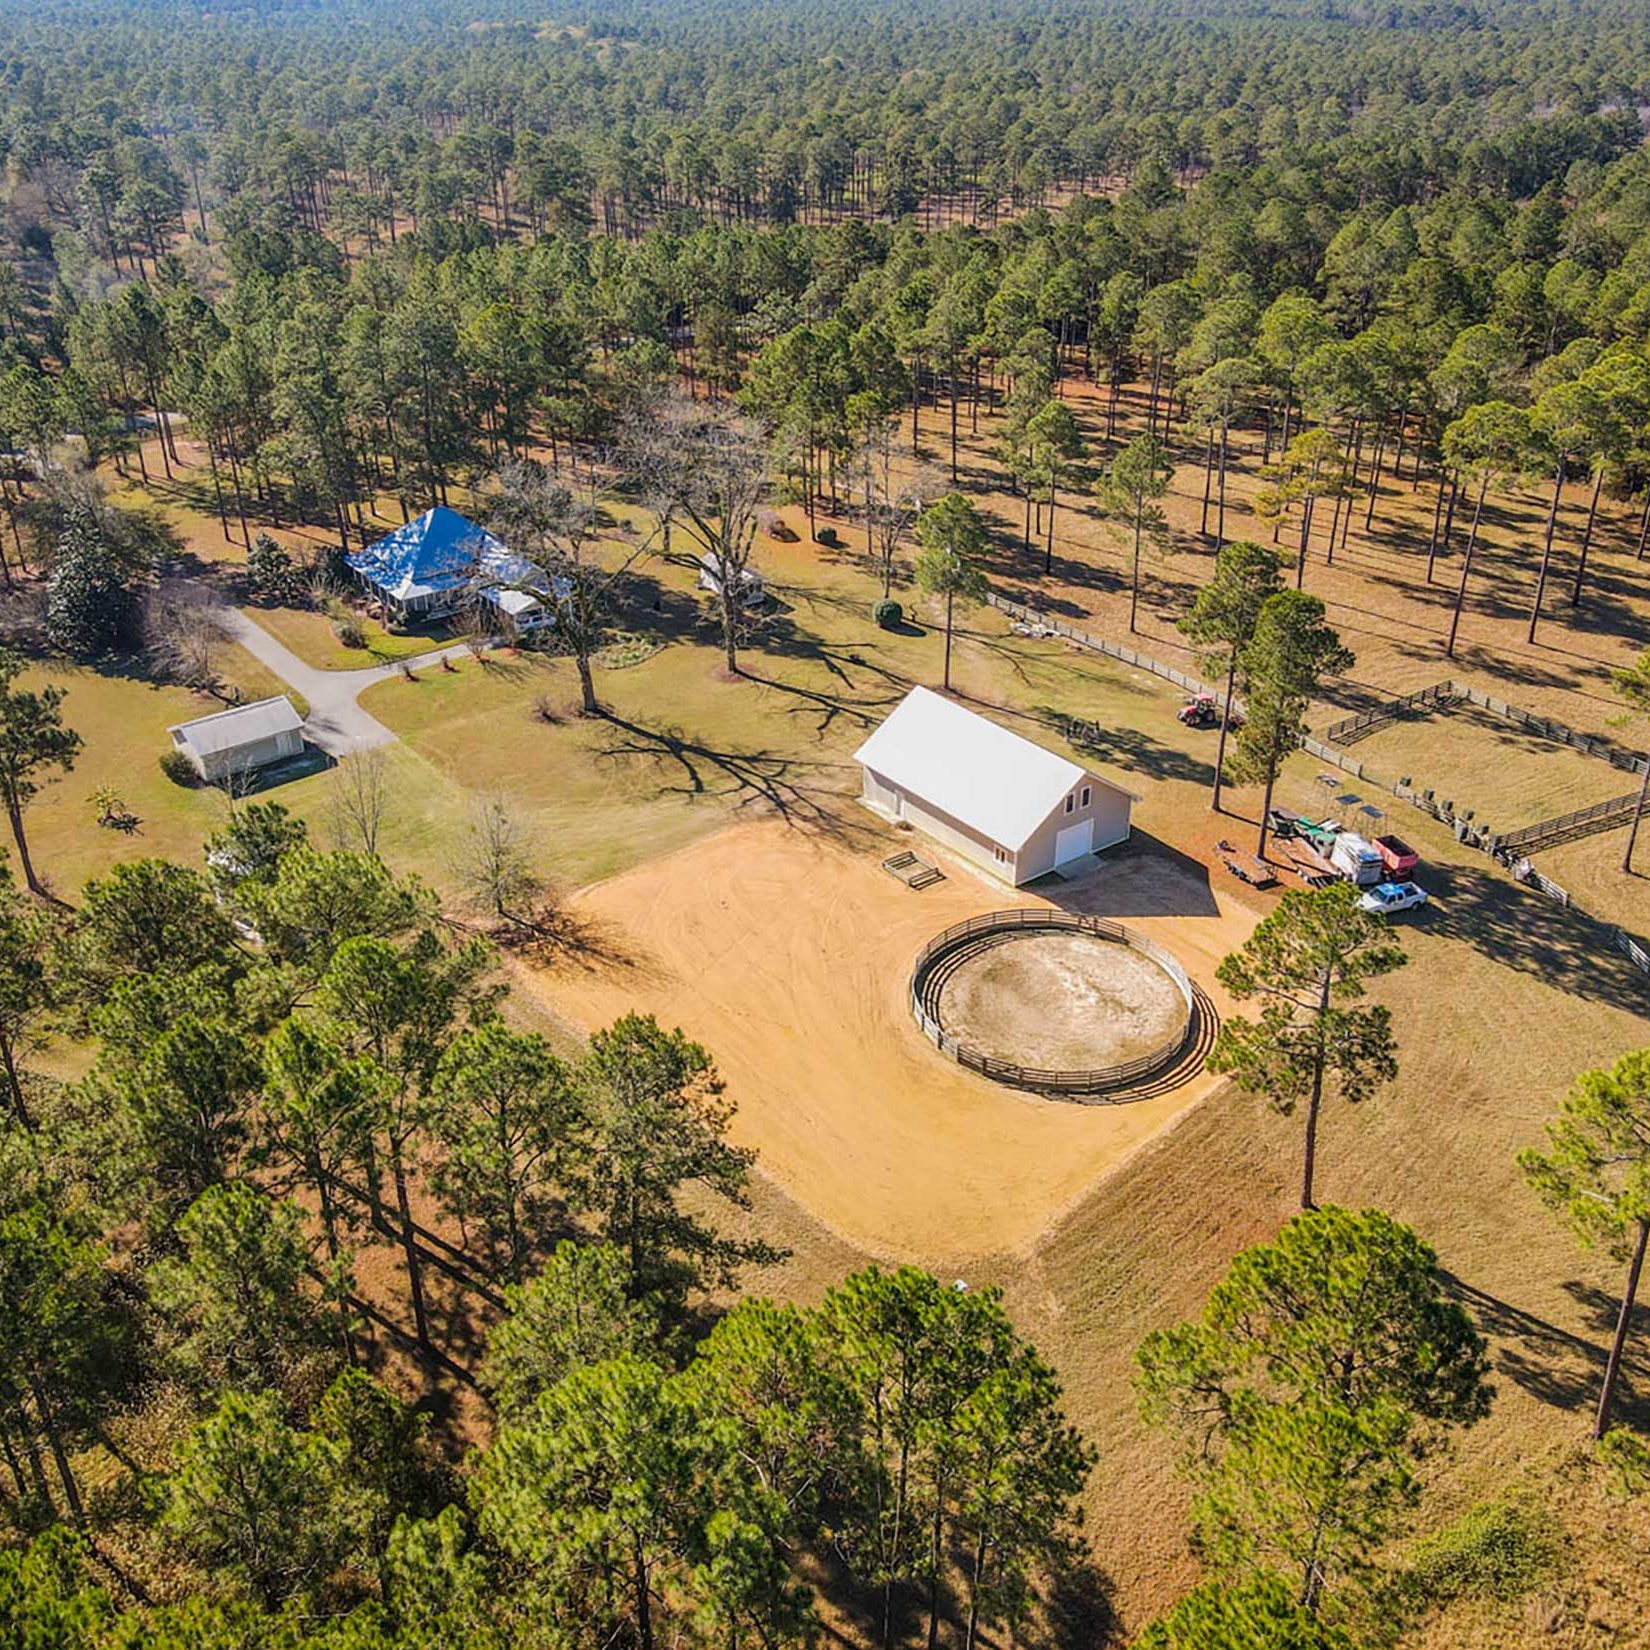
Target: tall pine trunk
[(1546, 552), (1624, 1320), (1466, 570)]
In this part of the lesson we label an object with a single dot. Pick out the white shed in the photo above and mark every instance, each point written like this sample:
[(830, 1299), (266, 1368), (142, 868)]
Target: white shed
[(242, 738), (752, 591), (1009, 806)]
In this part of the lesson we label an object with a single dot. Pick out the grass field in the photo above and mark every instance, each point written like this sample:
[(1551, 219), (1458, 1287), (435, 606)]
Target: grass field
[(310, 635), (1480, 761), (122, 721), (781, 945)]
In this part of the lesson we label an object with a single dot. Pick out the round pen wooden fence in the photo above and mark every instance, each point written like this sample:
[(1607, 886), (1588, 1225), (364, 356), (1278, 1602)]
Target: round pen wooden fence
[(928, 975)]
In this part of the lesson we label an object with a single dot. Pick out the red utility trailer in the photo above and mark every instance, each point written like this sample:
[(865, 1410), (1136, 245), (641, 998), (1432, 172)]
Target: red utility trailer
[(1400, 859)]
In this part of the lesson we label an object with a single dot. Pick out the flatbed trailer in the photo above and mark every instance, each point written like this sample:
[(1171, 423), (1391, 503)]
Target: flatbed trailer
[(1246, 867), (1306, 862)]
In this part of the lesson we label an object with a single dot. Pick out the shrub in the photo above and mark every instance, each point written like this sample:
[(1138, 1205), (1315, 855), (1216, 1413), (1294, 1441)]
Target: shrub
[(1627, 1459), (827, 535), (546, 710), (349, 632), (178, 768), (888, 613), (271, 573), (1498, 1550)]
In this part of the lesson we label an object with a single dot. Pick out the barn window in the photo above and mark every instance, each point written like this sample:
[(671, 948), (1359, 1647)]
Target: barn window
[(1071, 802), (1085, 796)]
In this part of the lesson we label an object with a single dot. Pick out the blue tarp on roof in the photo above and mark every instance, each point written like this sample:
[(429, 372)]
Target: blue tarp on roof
[(439, 551)]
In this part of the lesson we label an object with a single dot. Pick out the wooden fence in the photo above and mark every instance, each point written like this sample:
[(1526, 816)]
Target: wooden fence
[(1467, 829), (1006, 924), (1041, 622), (1441, 695), (1548, 833), (1354, 728), (1629, 945)]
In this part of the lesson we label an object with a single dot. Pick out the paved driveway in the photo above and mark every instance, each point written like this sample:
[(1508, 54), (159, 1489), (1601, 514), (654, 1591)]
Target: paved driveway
[(335, 722)]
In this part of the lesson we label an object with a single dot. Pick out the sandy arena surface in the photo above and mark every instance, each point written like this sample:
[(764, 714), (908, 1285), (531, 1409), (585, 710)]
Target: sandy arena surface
[(787, 956), (1062, 1002)]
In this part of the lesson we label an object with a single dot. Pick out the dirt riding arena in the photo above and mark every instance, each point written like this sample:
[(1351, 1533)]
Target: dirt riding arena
[(1063, 1002), (788, 955)]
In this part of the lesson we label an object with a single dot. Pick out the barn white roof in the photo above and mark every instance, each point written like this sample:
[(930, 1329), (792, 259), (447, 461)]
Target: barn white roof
[(1001, 785), (226, 730)]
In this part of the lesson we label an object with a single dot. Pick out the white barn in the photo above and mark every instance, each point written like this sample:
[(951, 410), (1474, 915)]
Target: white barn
[(1005, 804), (242, 738)]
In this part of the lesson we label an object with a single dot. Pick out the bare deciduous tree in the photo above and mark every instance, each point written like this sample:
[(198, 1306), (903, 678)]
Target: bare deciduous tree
[(356, 795), (186, 635), (550, 516), (497, 870), (893, 497), (705, 471)]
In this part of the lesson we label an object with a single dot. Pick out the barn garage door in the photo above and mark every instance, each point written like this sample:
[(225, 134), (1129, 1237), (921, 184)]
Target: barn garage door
[(1074, 841)]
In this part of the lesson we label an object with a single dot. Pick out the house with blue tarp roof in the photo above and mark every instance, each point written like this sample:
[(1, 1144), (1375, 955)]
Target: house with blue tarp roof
[(429, 565)]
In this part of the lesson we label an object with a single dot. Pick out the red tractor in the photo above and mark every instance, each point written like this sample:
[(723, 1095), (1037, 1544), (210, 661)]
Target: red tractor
[(1203, 711)]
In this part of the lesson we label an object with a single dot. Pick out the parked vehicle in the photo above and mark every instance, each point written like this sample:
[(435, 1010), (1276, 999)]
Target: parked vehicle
[(1399, 857), (1386, 899), (1203, 711), (1357, 860), (752, 592), (1282, 824)]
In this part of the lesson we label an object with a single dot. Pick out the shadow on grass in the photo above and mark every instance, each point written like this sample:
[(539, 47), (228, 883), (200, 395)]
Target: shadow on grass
[(1128, 748), (1553, 1364), (795, 788), (1523, 932), (312, 761)]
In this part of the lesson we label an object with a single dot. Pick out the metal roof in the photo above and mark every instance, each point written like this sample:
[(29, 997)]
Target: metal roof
[(992, 780), (439, 551), (240, 725)]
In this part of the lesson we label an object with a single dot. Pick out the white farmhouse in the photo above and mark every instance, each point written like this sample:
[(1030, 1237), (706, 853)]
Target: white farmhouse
[(242, 738), (1005, 804)]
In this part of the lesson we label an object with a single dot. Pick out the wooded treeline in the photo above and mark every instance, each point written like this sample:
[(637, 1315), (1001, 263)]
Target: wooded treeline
[(297, 1064), (364, 121)]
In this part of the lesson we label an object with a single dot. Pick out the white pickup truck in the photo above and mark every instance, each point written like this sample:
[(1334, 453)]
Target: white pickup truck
[(1387, 899)]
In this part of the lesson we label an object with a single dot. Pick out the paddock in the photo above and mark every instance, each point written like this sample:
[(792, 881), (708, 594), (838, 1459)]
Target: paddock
[(788, 954)]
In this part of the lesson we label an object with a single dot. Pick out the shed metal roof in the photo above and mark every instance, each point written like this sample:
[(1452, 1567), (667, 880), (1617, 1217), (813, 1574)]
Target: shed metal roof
[(994, 781), (240, 725)]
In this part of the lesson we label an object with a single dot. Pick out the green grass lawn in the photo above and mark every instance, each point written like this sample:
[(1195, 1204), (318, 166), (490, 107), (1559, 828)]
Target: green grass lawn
[(123, 722), (683, 747), (310, 635)]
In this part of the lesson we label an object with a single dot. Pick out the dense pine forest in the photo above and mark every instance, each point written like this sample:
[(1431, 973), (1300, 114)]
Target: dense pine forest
[(340, 263)]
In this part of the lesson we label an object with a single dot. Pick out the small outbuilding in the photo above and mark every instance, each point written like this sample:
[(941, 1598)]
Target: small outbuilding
[(427, 566), (752, 592), (1007, 805), (243, 738)]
